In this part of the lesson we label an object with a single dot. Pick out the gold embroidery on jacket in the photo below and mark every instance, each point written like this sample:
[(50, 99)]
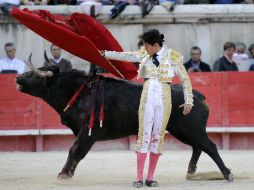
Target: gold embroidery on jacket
[(176, 57)]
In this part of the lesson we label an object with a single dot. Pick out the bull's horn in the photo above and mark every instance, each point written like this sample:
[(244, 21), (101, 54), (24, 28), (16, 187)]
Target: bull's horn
[(37, 71), (47, 60)]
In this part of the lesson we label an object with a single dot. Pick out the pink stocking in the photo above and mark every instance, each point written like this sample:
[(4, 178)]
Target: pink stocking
[(152, 165), (141, 158)]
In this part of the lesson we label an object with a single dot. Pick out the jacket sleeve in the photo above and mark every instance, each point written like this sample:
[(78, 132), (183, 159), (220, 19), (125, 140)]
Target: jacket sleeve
[(181, 72), (135, 56)]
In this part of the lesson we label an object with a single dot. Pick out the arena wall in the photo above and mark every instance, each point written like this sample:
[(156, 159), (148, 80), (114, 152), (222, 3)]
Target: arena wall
[(29, 124)]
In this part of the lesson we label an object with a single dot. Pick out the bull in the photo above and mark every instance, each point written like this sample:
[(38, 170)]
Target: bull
[(121, 101)]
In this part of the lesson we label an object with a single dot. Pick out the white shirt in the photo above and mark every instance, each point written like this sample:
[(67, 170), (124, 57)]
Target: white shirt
[(12, 64)]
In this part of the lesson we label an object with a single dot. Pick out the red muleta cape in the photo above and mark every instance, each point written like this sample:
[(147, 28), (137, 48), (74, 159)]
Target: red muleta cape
[(78, 34)]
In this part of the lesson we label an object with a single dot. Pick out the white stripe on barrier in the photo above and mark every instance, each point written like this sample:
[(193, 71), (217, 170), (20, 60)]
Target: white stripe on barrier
[(35, 132), (230, 129), (69, 132), (55, 132), (19, 132)]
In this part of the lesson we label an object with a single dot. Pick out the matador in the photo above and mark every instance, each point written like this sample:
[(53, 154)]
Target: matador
[(158, 65)]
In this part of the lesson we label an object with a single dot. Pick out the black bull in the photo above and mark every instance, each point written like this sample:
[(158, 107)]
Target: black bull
[(121, 100)]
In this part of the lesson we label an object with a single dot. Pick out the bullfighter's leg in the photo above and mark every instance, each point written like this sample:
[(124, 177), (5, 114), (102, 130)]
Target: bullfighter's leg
[(157, 134), (77, 152), (146, 120), (210, 148), (162, 112), (196, 152)]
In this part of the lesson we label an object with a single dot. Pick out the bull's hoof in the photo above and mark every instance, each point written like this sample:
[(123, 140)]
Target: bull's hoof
[(64, 175), (189, 173), (229, 177), (205, 176), (191, 170)]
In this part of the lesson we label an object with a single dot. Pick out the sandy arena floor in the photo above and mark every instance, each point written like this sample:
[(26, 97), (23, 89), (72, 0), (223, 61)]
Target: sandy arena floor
[(115, 170)]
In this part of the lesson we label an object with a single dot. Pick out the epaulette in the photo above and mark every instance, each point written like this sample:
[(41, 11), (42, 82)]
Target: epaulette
[(176, 57)]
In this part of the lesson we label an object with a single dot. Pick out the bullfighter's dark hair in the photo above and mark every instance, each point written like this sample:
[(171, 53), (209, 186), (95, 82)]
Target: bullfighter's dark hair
[(153, 36), (228, 45)]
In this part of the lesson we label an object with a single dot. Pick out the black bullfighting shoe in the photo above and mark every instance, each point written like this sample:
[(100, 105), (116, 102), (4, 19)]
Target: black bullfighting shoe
[(152, 183), (138, 184)]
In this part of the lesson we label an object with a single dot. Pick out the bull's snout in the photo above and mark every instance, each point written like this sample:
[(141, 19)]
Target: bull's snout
[(17, 80)]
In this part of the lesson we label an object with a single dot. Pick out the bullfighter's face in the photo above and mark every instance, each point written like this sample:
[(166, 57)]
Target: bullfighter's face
[(152, 49)]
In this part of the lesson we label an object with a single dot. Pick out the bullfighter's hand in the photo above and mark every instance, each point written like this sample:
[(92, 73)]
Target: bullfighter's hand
[(102, 53), (186, 108)]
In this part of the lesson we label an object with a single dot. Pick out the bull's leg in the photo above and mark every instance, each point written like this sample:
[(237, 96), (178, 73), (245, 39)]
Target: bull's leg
[(77, 152), (194, 159), (196, 151), (210, 148)]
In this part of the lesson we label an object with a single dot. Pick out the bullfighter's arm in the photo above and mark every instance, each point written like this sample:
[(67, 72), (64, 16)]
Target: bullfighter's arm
[(181, 72), (135, 56)]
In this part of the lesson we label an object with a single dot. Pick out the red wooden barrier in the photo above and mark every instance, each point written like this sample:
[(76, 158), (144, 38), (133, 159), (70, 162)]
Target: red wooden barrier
[(228, 95)]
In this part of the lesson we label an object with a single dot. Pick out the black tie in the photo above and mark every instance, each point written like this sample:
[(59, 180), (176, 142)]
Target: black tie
[(155, 60)]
